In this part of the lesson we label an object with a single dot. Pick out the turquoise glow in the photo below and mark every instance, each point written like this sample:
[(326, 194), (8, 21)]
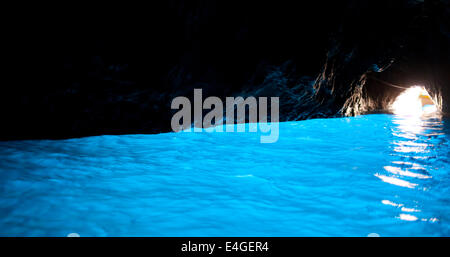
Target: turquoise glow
[(325, 177)]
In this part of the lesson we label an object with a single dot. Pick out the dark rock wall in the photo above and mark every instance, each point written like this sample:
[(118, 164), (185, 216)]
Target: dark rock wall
[(385, 43), (115, 70)]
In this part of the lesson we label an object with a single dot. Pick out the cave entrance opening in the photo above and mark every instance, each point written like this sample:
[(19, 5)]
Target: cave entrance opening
[(414, 101)]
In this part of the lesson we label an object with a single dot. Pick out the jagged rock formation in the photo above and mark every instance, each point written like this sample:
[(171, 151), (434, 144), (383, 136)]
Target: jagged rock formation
[(403, 43), (121, 71)]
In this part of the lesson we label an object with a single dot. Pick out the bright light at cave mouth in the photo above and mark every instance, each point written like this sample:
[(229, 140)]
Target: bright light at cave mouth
[(414, 101)]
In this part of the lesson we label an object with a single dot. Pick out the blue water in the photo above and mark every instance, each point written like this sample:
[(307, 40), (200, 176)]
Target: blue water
[(325, 177)]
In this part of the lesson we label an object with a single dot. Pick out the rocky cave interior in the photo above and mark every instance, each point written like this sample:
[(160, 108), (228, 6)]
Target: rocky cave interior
[(116, 71)]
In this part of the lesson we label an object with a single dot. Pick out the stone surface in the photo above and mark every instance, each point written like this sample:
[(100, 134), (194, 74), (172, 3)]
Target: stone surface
[(116, 71)]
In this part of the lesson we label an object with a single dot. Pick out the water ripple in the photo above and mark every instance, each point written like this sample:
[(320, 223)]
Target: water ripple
[(373, 174)]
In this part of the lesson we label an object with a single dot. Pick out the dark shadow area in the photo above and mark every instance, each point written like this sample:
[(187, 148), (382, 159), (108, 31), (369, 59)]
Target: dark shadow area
[(108, 69)]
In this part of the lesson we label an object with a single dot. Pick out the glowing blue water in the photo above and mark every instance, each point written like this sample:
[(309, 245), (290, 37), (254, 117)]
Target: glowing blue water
[(326, 177)]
